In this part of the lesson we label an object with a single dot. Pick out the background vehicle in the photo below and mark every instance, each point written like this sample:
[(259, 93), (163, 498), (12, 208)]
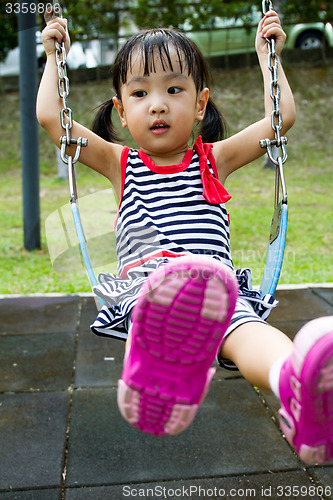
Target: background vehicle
[(230, 36)]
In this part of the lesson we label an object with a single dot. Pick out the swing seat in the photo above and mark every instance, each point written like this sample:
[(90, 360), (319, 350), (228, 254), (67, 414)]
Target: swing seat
[(275, 250)]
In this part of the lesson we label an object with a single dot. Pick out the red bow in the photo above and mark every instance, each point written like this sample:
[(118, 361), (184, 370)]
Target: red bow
[(213, 190)]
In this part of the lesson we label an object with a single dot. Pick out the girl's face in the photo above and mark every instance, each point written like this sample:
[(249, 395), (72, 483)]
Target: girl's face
[(160, 108)]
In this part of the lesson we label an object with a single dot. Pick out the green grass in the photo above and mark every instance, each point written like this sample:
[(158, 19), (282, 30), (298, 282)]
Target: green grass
[(309, 256)]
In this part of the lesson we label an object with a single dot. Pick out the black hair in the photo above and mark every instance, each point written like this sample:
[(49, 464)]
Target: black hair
[(157, 42)]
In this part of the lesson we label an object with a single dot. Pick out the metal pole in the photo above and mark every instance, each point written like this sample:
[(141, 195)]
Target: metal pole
[(27, 23)]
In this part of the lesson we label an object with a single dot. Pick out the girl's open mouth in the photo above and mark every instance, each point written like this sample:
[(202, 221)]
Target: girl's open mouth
[(159, 127)]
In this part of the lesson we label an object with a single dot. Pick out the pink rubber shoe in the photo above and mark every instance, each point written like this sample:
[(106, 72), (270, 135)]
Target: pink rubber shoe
[(306, 391), (178, 326)]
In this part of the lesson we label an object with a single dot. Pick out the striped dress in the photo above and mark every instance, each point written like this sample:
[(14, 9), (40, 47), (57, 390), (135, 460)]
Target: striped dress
[(166, 212)]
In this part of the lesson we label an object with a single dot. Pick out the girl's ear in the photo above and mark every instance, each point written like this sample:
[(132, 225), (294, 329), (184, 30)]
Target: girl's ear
[(120, 108), (203, 97)]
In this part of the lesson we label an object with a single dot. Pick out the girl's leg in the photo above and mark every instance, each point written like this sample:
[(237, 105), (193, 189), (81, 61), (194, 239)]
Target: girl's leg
[(179, 321), (254, 347), (301, 374)]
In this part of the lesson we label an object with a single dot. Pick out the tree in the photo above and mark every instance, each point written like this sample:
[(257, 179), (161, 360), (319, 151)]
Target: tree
[(154, 13), (8, 33), (307, 12), (193, 14), (89, 19)]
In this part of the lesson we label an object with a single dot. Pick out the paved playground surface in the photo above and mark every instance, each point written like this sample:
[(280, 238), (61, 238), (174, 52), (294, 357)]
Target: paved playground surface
[(62, 436)]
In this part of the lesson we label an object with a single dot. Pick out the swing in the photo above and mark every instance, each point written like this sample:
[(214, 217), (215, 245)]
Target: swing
[(278, 230)]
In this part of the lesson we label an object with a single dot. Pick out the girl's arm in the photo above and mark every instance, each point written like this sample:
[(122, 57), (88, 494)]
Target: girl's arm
[(102, 156), (243, 147)]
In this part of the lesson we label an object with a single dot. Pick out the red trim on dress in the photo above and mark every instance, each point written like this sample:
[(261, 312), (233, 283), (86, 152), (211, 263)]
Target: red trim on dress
[(123, 163), (162, 253), (168, 169)]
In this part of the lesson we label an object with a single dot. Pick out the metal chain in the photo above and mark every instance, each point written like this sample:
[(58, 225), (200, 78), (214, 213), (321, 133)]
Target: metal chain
[(66, 118), (276, 118)]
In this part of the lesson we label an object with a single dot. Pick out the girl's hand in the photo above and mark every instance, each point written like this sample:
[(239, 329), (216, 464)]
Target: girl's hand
[(270, 26), (56, 29)]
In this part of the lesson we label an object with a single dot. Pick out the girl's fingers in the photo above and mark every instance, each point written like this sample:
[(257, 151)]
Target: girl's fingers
[(271, 13), (55, 34), (56, 29), (48, 15), (271, 20), (271, 17), (57, 21), (270, 26), (59, 35), (272, 29)]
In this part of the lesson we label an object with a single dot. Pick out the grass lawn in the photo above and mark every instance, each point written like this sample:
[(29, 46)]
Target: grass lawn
[(308, 171)]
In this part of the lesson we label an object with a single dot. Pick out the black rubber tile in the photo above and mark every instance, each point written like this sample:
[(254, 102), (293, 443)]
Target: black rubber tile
[(325, 294), (44, 494), (32, 439), (296, 308), (36, 362), (299, 305), (256, 486), (99, 359), (231, 435), (323, 477), (89, 312), (38, 314), (269, 399)]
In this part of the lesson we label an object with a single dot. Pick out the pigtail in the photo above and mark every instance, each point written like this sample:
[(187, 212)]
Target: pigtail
[(102, 124), (213, 126)]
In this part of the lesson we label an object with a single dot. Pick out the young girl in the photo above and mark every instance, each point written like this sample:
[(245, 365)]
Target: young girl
[(177, 295)]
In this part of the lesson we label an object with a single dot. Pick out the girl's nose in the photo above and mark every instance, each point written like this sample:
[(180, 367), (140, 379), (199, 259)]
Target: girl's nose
[(157, 107)]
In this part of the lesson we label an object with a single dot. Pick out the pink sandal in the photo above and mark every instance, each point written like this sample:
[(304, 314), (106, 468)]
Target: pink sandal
[(178, 326), (306, 391)]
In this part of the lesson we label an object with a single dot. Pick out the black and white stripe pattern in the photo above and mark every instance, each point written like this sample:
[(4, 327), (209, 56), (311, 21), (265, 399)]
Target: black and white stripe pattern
[(121, 295), (168, 212)]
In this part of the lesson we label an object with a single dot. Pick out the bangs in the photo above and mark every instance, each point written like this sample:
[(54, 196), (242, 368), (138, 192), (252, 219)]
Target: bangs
[(154, 46)]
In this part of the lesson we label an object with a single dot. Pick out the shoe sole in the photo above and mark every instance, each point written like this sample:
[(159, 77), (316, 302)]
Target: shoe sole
[(312, 407), (178, 325)]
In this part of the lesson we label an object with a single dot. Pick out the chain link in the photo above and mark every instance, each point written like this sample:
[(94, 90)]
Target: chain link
[(276, 118)]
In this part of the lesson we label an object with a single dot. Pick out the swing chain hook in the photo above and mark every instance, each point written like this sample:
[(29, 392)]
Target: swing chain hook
[(66, 115), (276, 118)]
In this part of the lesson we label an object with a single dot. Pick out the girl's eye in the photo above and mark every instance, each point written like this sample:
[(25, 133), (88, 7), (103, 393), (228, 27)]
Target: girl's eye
[(174, 90), (139, 93)]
